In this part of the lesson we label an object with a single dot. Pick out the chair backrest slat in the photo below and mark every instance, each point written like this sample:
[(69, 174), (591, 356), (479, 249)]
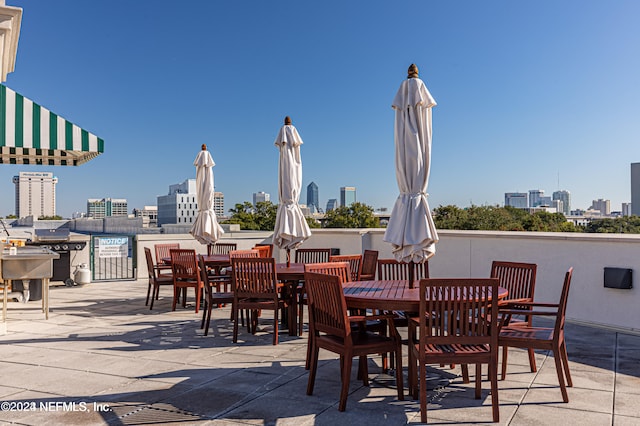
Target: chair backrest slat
[(312, 255), (355, 264), (221, 248), (340, 269), (518, 278), (162, 251), (234, 254), (254, 277), (458, 310), (562, 307), (150, 267), (391, 269)]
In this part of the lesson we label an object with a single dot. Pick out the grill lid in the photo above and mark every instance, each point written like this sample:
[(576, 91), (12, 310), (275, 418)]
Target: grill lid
[(51, 235)]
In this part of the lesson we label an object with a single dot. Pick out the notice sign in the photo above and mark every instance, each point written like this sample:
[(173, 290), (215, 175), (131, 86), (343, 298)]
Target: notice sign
[(113, 247)]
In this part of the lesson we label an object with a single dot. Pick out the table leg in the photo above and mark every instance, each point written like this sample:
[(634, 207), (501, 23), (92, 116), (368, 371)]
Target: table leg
[(5, 299), (45, 297)]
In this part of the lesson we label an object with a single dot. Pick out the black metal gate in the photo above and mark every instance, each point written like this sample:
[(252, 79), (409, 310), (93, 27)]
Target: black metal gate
[(113, 257)]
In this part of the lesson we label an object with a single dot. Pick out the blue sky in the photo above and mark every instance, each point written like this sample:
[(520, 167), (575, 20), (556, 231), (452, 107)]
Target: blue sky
[(531, 95)]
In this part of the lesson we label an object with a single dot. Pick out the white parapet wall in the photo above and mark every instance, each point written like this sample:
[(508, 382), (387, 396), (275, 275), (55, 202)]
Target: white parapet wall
[(470, 253)]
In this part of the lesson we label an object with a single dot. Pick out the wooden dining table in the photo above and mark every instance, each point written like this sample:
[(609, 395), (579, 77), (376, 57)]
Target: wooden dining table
[(388, 295)]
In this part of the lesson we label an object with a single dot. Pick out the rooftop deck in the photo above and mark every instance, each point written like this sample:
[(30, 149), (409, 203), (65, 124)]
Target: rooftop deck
[(125, 365)]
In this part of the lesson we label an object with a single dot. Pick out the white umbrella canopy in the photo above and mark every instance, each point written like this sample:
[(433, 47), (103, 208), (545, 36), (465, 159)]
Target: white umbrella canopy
[(291, 228), (206, 228), (411, 230)]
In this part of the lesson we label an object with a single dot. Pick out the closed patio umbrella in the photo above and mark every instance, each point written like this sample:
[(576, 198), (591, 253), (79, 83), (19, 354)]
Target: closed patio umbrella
[(411, 230), (291, 227), (206, 228)]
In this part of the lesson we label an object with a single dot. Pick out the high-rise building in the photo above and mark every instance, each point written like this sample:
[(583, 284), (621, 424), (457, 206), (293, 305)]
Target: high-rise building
[(218, 204), (347, 195), (331, 204), (312, 198), (535, 196), (260, 197), (518, 200), (565, 197), (105, 207), (603, 206), (35, 194), (626, 209), (635, 189), (180, 206)]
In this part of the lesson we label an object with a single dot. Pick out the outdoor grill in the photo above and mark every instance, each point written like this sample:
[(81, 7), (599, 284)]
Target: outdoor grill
[(57, 240)]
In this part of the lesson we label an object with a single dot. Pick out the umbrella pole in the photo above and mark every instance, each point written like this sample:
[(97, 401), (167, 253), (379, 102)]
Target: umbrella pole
[(411, 273), (288, 258)]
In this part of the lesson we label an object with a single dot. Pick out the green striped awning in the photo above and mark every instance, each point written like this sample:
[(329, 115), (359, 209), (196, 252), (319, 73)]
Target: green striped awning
[(31, 134)]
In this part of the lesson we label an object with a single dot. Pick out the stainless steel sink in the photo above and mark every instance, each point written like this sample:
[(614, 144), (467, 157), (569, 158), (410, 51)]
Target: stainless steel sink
[(28, 263)]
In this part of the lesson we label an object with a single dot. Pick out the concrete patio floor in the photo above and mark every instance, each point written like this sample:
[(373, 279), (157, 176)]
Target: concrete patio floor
[(105, 358)]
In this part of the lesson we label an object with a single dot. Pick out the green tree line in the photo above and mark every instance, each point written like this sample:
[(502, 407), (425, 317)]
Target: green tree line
[(488, 218)]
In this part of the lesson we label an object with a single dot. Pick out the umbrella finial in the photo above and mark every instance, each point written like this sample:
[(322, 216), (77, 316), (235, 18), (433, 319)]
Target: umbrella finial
[(204, 146), (287, 121), (413, 71)]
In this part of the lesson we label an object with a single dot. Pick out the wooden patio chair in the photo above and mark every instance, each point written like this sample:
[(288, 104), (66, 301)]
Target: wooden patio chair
[(355, 264), (255, 288), (162, 252), (340, 269), (265, 250), (156, 278), (443, 339), (369, 265), (184, 264), (331, 330), (211, 298), (221, 248), (520, 281), (312, 255), (546, 338)]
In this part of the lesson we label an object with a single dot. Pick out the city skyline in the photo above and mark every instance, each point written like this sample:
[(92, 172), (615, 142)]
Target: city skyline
[(558, 111)]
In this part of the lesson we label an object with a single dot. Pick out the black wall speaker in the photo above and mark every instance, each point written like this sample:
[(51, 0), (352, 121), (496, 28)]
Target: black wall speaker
[(618, 278)]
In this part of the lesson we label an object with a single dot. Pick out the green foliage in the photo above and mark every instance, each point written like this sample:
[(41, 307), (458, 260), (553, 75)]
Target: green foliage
[(56, 217), (619, 225), (313, 223), (495, 218), (260, 218), (357, 215)]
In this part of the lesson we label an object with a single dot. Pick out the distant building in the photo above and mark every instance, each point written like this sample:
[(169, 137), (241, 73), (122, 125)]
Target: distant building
[(180, 205), (518, 200), (635, 189), (626, 209), (218, 204), (259, 197), (331, 204), (565, 197), (106, 207), (35, 194), (312, 198), (347, 195), (149, 215), (603, 206), (535, 196)]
